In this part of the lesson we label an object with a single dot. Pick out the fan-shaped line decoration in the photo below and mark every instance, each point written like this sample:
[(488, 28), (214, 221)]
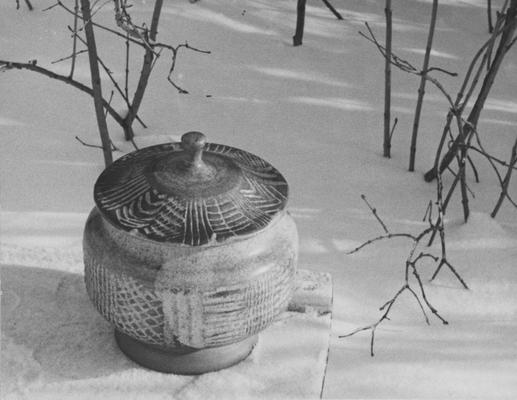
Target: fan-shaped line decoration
[(141, 193)]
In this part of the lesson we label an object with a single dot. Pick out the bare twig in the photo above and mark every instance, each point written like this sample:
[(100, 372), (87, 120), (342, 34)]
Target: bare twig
[(336, 13), (441, 230), (506, 181), (96, 83), (112, 31), (150, 36), (126, 76), (393, 128), (173, 63), (32, 66), (489, 14), (95, 146), (300, 19), (421, 89), (74, 40), (115, 84), (474, 169), (405, 65), (374, 212), (27, 3), (300, 23), (387, 82), (72, 57), (411, 269)]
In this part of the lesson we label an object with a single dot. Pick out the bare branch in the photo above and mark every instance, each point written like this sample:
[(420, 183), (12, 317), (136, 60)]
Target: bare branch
[(374, 212), (32, 66), (336, 13), (72, 57), (506, 181), (95, 146), (411, 266)]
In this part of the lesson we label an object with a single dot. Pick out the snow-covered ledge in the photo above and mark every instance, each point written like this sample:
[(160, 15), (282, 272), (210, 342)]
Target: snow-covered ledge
[(55, 345)]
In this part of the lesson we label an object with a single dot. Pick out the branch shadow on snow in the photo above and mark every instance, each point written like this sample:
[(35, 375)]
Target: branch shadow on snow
[(48, 319)]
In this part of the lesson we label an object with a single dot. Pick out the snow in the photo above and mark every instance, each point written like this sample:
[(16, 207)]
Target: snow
[(315, 112)]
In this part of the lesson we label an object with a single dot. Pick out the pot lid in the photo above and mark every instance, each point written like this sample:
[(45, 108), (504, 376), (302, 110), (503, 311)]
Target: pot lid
[(191, 192)]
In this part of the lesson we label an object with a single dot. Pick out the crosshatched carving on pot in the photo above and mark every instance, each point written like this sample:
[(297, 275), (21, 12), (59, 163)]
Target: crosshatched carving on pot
[(182, 317)]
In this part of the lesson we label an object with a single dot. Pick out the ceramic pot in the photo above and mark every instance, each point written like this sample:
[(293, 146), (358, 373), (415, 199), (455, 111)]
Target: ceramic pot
[(190, 253)]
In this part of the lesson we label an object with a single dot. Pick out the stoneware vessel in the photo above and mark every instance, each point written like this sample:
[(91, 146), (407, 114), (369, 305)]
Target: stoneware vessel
[(189, 253)]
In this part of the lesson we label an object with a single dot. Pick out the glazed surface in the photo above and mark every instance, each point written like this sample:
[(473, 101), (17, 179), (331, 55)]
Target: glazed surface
[(155, 192), (195, 297)]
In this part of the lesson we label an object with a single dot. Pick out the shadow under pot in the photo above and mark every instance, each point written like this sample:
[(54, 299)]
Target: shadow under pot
[(190, 253)]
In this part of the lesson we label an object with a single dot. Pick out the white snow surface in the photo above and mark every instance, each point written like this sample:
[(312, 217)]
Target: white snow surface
[(315, 112)]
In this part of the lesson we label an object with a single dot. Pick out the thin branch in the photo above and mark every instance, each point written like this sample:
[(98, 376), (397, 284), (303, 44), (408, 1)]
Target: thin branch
[(175, 51), (95, 146), (445, 262), (150, 36), (387, 308), (382, 237), (333, 10), (411, 266), (489, 15), (474, 169), (50, 7), (421, 89), (506, 181), (126, 76), (96, 83), (374, 212), (454, 74), (7, 65), (300, 22), (27, 3), (72, 57), (74, 40), (114, 32), (420, 305), (387, 81), (424, 296), (115, 83), (405, 65), (393, 128)]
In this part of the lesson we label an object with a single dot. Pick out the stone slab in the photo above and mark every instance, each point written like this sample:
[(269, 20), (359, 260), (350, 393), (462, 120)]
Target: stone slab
[(56, 346)]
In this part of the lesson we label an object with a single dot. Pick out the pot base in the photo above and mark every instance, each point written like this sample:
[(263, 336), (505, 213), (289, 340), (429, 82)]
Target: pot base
[(190, 362)]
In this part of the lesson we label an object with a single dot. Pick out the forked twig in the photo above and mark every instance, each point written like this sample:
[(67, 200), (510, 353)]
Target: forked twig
[(411, 270)]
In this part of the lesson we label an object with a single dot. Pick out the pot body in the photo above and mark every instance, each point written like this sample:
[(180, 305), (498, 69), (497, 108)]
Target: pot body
[(182, 298)]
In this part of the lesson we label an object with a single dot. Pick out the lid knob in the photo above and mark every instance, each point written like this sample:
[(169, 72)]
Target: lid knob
[(193, 144)]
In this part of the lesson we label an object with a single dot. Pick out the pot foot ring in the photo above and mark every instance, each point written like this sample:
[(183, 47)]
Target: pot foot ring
[(190, 362)]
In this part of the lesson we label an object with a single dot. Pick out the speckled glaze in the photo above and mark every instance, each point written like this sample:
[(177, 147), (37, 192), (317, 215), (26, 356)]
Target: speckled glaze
[(198, 307)]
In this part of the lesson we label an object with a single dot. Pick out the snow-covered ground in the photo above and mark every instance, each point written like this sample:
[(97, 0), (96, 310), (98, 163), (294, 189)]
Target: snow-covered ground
[(315, 112)]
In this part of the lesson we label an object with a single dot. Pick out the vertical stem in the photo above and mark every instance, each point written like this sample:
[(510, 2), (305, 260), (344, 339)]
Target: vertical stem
[(74, 43), (387, 82), (146, 71), (421, 89), (463, 186), (96, 82), (489, 12), (126, 83), (300, 23), (506, 180)]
